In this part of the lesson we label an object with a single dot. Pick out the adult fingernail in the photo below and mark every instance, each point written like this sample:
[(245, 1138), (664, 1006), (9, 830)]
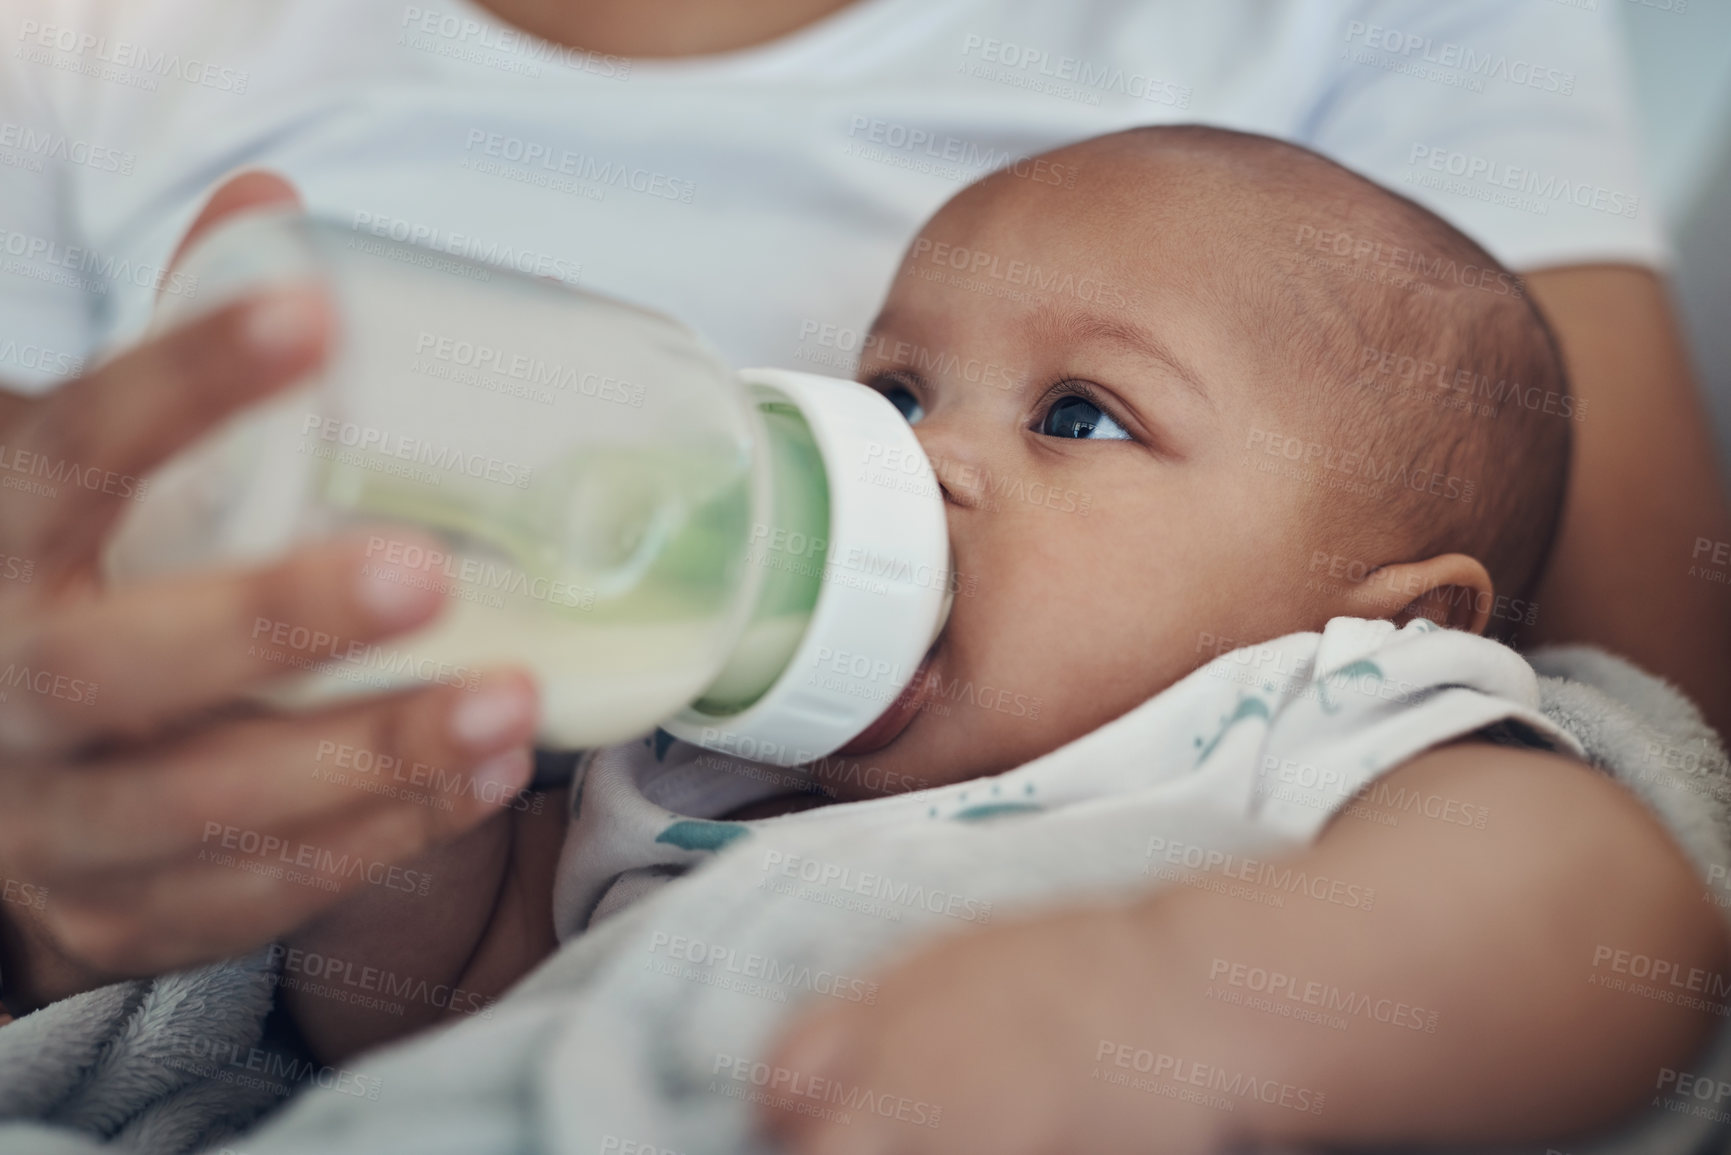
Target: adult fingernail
[(394, 595), (496, 713), (282, 323), (501, 776)]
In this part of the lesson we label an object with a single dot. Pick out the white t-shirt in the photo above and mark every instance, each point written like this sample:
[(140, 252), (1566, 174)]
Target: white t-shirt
[(761, 196)]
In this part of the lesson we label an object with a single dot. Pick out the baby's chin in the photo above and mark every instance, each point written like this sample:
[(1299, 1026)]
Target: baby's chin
[(933, 750), (948, 725), (903, 711)]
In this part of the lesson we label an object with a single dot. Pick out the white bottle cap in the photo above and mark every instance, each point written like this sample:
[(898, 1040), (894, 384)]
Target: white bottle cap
[(886, 588)]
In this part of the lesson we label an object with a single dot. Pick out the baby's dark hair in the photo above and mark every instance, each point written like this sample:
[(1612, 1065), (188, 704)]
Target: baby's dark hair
[(1419, 355)]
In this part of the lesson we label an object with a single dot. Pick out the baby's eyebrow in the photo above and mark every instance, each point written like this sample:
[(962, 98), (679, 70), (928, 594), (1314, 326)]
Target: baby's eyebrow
[(1080, 326)]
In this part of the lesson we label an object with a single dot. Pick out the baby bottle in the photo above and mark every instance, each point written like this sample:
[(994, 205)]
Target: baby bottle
[(755, 561)]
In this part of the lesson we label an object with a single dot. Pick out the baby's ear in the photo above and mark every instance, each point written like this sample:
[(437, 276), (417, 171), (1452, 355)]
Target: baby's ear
[(1451, 589)]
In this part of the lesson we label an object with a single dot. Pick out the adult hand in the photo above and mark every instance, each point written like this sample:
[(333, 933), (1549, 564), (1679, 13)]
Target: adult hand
[(146, 817)]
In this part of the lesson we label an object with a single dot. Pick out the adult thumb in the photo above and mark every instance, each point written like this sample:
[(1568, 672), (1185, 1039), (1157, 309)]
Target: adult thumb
[(243, 192)]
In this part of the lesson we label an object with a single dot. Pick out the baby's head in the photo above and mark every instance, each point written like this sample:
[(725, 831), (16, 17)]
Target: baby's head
[(1188, 389)]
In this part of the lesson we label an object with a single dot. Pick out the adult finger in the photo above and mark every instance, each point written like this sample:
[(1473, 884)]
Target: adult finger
[(91, 441), (244, 192), (12, 405), (117, 665), (257, 781), (229, 901)]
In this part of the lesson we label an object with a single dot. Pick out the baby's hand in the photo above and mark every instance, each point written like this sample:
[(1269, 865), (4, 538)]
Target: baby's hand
[(1003, 1041), (484, 922)]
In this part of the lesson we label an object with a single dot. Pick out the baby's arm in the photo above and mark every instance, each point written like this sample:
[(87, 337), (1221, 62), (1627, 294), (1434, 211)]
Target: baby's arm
[(388, 962), (1022, 1033)]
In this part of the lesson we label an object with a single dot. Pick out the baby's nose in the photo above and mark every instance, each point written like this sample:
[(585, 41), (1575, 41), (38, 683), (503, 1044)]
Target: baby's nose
[(962, 480)]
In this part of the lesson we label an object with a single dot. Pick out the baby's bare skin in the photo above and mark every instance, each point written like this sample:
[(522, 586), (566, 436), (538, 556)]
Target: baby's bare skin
[(486, 920)]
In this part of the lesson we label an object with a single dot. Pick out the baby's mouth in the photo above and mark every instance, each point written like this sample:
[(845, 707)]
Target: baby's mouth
[(890, 724)]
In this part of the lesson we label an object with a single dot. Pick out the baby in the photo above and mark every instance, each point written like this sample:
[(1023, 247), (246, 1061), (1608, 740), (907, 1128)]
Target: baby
[(1194, 359), (1269, 395)]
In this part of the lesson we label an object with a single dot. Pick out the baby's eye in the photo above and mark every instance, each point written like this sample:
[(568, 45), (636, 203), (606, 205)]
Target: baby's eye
[(903, 399), (1078, 417)]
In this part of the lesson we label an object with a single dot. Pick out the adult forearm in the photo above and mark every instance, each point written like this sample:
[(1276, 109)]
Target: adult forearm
[(1634, 563), (1460, 1006)]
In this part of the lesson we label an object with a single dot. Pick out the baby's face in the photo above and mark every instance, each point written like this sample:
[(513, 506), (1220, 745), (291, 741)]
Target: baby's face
[(1085, 377)]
